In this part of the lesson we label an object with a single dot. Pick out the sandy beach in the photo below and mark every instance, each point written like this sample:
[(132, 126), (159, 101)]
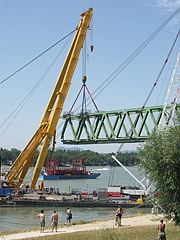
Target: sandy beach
[(141, 220)]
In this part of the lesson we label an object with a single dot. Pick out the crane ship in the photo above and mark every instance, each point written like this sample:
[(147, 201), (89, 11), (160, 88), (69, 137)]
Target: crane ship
[(78, 171)]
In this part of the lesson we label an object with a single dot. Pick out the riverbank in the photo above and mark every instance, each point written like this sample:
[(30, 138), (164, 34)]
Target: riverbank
[(142, 220)]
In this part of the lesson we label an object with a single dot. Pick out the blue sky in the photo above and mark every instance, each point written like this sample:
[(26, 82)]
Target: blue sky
[(119, 27)]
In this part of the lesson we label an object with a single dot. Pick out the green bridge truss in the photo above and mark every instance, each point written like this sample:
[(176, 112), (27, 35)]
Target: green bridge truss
[(123, 126)]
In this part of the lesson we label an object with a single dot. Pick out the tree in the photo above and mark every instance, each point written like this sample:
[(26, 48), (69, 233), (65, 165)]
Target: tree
[(66, 156), (160, 158), (7, 157)]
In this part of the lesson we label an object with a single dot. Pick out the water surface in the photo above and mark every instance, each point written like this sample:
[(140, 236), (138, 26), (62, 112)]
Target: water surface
[(24, 217)]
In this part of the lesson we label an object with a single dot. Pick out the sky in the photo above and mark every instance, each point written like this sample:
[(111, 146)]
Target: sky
[(118, 28)]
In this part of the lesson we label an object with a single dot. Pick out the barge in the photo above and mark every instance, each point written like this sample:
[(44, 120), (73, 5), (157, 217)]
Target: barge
[(78, 171)]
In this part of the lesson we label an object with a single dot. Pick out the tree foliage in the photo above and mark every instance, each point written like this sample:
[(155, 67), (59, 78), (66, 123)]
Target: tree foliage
[(66, 156), (160, 158)]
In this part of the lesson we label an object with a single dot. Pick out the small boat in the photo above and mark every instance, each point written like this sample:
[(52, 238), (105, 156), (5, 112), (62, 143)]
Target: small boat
[(103, 169), (78, 171)]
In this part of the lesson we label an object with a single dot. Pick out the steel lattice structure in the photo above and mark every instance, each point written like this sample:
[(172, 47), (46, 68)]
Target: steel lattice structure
[(113, 126)]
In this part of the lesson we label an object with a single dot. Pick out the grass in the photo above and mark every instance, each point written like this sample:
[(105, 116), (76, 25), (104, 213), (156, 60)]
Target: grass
[(131, 233), (121, 233), (2, 233), (128, 233)]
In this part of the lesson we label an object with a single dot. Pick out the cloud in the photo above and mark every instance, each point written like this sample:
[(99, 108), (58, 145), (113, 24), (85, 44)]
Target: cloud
[(168, 5)]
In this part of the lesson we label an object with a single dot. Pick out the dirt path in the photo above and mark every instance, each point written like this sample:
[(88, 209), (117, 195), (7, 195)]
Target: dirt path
[(126, 222)]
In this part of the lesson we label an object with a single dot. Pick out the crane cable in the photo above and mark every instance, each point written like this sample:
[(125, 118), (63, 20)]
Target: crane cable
[(149, 95), (45, 51), (16, 111)]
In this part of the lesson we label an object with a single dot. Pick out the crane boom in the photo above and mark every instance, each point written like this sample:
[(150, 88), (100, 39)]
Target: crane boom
[(47, 127)]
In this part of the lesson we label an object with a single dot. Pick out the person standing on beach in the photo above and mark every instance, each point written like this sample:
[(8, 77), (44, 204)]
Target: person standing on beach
[(161, 231), (68, 215), (118, 216), (54, 221), (41, 217)]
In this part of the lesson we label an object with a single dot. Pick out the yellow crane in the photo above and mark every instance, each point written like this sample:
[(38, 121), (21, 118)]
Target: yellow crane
[(47, 127)]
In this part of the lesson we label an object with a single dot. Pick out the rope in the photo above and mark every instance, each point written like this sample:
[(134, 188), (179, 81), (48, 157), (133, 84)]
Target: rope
[(45, 51)]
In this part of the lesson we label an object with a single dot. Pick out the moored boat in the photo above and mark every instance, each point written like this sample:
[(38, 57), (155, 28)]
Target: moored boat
[(78, 171)]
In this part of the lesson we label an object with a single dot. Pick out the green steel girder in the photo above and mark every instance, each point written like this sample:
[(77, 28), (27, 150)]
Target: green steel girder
[(123, 126)]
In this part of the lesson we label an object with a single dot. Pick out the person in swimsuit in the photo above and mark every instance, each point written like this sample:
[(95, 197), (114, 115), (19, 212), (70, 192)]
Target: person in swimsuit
[(161, 231), (41, 217), (54, 221)]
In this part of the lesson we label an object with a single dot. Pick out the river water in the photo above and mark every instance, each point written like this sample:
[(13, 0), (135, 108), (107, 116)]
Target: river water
[(20, 217)]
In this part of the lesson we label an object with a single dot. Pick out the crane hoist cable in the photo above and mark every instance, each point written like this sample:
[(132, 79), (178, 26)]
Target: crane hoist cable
[(84, 58), (84, 74), (45, 51), (91, 36), (84, 105)]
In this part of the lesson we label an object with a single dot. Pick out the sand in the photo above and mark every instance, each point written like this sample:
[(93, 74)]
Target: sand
[(141, 220)]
